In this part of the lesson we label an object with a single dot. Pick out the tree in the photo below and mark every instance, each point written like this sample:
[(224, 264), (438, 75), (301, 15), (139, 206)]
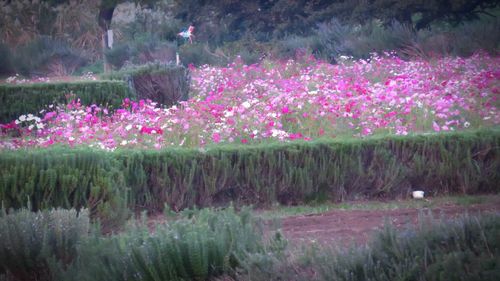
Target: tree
[(429, 11)]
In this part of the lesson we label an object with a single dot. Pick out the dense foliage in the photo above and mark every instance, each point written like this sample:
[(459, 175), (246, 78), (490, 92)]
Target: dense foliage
[(207, 244), (299, 16), (58, 245), (30, 242), (389, 167)]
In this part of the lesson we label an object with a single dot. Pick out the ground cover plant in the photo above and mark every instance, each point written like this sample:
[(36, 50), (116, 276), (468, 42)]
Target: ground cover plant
[(287, 100)]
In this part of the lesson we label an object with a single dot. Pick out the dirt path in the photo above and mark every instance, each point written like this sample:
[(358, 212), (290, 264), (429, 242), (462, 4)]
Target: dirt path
[(343, 227)]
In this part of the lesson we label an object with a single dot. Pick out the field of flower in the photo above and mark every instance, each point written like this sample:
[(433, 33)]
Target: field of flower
[(284, 101)]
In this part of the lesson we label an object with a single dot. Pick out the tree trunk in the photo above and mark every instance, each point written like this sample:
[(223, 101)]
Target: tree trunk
[(105, 16)]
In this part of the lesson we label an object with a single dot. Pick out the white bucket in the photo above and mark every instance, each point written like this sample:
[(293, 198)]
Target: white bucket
[(418, 194)]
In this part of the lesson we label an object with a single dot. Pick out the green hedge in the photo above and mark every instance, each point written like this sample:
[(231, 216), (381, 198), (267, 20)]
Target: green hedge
[(380, 167), (163, 83), (66, 178), (31, 98), (388, 167)]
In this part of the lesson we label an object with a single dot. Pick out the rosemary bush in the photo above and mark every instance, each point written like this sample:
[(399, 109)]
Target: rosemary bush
[(30, 241), (202, 244)]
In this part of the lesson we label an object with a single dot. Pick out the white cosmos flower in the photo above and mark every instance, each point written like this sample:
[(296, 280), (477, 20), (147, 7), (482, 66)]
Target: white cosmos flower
[(246, 104), (22, 118), (128, 127)]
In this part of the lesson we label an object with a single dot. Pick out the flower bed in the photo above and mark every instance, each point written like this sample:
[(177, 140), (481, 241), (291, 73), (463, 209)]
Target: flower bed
[(282, 101)]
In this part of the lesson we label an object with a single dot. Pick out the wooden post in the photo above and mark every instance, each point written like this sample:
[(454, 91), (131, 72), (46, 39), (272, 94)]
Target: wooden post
[(105, 46)]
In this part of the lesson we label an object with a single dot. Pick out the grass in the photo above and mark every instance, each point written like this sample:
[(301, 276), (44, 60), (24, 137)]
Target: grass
[(278, 211)]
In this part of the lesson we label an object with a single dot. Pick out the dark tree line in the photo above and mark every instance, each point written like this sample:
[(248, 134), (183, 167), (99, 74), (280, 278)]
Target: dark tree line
[(300, 15)]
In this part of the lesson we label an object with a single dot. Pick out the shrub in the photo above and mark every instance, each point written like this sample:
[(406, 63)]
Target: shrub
[(292, 46), (118, 55), (377, 167), (44, 55), (31, 98), (197, 54), (56, 178), (333, 37), (388, 167), (143, 49), (457, 40), (360, 41), (202, 244), (163, 83), (29, 241)]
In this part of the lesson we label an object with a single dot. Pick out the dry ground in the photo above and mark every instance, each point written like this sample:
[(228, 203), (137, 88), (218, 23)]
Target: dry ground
[(343, 227)]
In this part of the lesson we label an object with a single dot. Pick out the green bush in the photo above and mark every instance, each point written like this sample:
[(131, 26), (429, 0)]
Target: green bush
[(292, 46), (202, 244), (118, 55), (377, 167), (197, 54), (457, 41), (47, 55), (31, 98), (29, 241), (465, 249), (67, 179), (163, 83), (143, 49)]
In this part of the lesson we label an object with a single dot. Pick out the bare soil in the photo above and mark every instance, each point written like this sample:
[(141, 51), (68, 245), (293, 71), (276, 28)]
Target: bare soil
[(345, 227)]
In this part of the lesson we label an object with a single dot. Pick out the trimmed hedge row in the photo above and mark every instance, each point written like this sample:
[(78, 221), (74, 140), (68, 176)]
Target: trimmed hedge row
[(388, 167), (166, 84), (31, 98)]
